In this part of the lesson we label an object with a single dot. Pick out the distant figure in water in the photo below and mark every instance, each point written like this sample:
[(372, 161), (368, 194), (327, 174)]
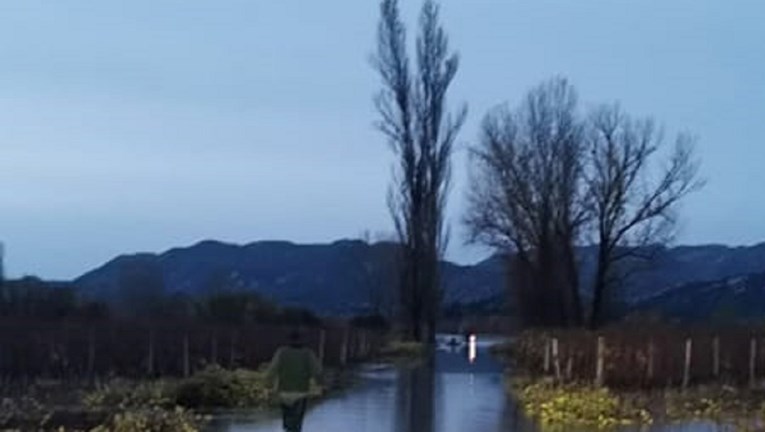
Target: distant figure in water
[(293, 367)]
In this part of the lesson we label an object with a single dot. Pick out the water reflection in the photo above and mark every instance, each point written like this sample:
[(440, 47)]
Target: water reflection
[(472, 348), (456, 390), (415, 394)]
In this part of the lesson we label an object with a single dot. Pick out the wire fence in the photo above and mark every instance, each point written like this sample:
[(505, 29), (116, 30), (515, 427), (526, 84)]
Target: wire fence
[(71, 350), (646, 356)]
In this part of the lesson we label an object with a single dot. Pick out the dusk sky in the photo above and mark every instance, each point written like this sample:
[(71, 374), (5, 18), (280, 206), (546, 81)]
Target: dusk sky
[(142, 125)]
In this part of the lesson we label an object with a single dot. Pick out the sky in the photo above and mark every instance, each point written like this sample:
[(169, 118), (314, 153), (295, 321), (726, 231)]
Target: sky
[(141, 125)]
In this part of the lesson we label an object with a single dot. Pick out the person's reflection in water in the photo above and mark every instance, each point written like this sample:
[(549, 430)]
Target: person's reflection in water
[(415, 398)]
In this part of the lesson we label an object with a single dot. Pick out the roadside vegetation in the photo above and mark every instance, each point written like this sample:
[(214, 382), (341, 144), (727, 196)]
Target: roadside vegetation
[(571, 399), (556, 407), (170, 404), (401, 351)]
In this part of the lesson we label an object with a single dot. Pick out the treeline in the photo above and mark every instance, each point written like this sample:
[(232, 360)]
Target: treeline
[(31, 297)]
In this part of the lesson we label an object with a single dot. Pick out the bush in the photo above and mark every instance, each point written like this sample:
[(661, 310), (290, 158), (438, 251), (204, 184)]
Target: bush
[(124, 394), (155, 420), (572, 406), (399, 349), (215, 387)]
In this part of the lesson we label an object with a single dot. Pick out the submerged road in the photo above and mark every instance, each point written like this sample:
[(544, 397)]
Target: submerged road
[(460, 391), (457, 392)]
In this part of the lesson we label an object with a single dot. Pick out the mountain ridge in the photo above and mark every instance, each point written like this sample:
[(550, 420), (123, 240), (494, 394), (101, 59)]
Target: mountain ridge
[(348, 276)]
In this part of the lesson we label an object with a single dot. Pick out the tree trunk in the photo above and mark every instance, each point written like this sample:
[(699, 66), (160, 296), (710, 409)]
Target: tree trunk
[(596, 314)]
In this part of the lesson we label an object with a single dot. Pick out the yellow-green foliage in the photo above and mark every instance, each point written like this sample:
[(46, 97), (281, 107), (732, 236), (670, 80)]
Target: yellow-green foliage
[(154, 420), (213, 387), (713, 403), (396, 349), (123, 394), (220, 388), (558, 407)]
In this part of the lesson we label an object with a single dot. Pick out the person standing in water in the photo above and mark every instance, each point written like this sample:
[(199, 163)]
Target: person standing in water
[(293, 367)]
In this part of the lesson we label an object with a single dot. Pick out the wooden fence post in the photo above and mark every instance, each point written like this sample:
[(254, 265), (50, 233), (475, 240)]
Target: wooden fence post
[(150, 359), (687, 364), (214, 348), (186, 365), (91, 353), (651, 356), (344, 347), (231, 354), (716, 357), (556, 358), (600, 363), (569, 367), (752, 361), (547, 356)]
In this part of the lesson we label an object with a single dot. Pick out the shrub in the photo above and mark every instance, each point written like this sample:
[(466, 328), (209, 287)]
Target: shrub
[(220, 388), (397, 349), (155, 420), (123, 394), (567, 406)]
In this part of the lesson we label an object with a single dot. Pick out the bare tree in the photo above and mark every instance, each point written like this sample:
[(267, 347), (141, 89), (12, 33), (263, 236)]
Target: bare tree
[(526, 199), (413, 116), (382, 272), (632, 199)]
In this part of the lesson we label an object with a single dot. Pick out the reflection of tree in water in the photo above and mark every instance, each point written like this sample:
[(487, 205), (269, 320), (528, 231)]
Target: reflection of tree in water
[(415, 398)]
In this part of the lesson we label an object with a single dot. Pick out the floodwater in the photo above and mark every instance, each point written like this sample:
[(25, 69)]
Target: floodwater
[(460, 390)]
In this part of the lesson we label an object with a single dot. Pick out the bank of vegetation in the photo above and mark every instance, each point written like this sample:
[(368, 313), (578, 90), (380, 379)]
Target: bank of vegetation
[(628, 375), (164, 404)]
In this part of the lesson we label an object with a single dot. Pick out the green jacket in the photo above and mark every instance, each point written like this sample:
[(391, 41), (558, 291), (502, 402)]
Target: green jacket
[(293, 368)]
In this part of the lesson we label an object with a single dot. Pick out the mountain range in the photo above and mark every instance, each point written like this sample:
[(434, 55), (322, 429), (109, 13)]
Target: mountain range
[(351, 276)]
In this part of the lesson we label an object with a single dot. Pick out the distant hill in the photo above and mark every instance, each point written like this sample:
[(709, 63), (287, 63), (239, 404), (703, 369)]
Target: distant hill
[(346, 277), (671, 268), (739, 298)]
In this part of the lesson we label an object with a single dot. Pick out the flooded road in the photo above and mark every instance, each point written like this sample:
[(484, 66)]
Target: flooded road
[(457, 391), (460, 390)]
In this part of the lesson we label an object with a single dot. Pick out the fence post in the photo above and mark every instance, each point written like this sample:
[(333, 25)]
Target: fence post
[(569, 367), (651, 356), (600, 363), (322, 344), (91, 353), (547, 356), (752, 361), (150, 359), (687, 364), (556, 358), (716, 357), (231, 355), (344, 347), (214, 348), (186, 365)]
